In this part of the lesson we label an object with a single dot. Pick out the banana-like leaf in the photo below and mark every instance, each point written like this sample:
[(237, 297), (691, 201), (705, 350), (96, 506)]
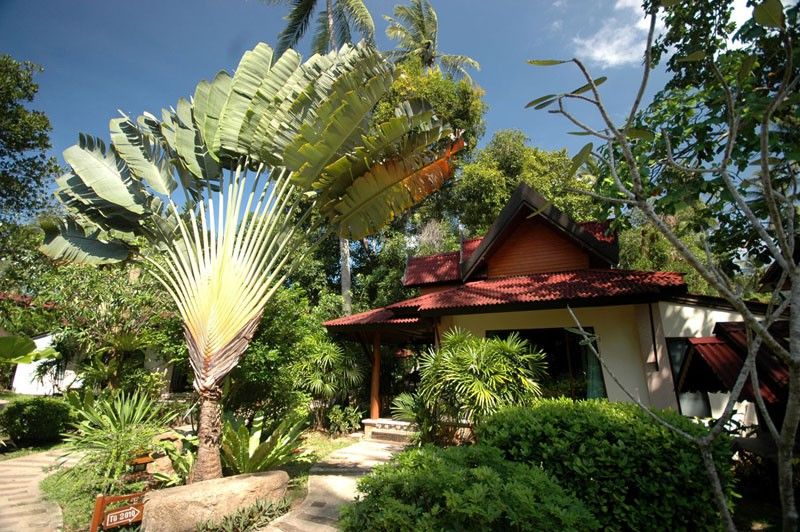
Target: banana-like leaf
[(253, 69), (69, 242), (105, 174), (208, 103), (189, 145), (22, 350), (142, 155), (351, 99), (389, 189)]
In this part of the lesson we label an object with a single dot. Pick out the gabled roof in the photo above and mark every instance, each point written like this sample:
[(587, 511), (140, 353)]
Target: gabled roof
[(541, 290), (524, 202), (447, 267)]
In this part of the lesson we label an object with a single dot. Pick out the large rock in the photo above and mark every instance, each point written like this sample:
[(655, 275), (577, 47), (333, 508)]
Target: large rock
[(182, 508)]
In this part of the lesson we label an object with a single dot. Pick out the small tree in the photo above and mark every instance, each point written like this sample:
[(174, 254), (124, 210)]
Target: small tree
[(254, 155), (722, 139)]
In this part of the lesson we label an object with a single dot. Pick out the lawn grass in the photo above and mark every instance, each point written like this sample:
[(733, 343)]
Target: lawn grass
[(74, 491)]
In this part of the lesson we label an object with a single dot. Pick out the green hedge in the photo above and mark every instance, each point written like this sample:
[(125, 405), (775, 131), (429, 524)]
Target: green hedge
[(462, 488), (35, 420), (631, 472)]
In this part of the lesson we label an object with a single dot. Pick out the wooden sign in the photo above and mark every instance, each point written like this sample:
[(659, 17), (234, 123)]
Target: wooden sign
[(125, 515)]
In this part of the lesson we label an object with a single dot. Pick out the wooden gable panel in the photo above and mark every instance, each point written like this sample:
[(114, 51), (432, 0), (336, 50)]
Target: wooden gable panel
[(535, 247)]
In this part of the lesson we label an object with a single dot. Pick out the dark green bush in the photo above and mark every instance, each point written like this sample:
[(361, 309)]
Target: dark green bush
[(462, 488), (631, 472), (35, 420)]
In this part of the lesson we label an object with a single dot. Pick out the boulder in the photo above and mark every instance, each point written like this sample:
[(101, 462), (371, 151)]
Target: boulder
[(183, 508)]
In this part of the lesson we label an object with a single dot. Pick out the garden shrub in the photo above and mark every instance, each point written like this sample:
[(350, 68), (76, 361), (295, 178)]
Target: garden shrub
[(344, 420), (462, 488), (631, 472), (35, 420)]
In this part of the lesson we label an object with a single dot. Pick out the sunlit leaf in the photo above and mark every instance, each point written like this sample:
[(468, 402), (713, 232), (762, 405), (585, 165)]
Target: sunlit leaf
[(583, 88), (545, 62), (769, 14)]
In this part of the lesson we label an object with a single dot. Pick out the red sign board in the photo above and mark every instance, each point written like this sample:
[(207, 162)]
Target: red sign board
[(124, 516)]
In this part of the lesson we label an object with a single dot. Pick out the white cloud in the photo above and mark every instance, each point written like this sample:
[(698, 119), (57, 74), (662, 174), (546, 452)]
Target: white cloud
[(620, 41)]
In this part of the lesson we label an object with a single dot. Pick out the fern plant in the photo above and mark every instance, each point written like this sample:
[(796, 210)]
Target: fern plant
[(250, 450)]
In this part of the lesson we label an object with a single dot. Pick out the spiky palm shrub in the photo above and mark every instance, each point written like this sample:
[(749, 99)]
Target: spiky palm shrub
[(225, 185), (468, 378)]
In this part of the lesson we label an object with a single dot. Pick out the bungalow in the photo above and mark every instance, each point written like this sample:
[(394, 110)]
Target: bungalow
[(531, 268)]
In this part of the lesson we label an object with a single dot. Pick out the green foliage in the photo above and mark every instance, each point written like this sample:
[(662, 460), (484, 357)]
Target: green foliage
[(328, 372), (182, 460), (112, 429), (35, 420), (629, 471), (74, 490), (332, 30), (458, 103), (469, 378), (25, 166), (462, 488), (251, 518), (247, 450), (643, 247), (344, 420), (266, 380), (484, 186)]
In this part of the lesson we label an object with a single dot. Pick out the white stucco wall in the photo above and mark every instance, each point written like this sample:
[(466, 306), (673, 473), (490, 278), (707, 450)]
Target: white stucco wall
[(617, 337), (25, 381), (682, 320)]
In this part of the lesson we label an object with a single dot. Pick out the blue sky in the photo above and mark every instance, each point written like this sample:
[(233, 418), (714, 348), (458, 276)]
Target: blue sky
[(100, 56)]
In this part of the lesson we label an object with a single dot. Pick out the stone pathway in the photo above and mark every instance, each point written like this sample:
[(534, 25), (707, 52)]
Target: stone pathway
[(332, 483), (22, 506)]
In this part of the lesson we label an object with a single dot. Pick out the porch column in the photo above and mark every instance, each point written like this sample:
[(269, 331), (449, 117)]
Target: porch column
[(375, 388)]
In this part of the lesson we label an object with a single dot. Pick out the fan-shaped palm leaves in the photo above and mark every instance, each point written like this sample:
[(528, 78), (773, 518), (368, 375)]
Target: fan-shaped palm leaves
[(223, 184), (468, 378), (416, 28), (333, 25)]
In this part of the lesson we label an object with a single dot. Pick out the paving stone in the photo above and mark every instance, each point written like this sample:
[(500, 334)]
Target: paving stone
[(331, 484), (22, 507)]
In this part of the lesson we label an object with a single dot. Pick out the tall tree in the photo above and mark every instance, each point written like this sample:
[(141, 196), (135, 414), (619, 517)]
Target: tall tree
[(721, 138), (416, 28), (254, 156), (334, 23), (24, 140)]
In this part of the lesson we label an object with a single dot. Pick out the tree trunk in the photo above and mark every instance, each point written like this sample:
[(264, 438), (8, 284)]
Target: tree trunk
[(791, 420), (344, 258), (208, 464)]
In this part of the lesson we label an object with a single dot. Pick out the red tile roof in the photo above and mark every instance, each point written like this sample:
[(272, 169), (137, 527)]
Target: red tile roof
[(378, 316), (468, 247), (601, 231), (561, 287), (726, 362), (439, 268), (541, 287)]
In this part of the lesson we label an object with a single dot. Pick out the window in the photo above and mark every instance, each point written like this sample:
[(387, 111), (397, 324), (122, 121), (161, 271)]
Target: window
[(572, 369), (694, 404)]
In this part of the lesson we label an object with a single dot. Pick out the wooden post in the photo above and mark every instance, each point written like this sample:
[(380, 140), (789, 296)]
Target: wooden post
[(375, 388), (97, 515)]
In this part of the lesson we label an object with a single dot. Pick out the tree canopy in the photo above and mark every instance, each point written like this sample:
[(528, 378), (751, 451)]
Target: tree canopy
[(25, 166)]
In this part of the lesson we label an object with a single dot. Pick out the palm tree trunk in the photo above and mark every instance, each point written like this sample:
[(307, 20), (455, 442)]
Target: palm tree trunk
[(208, 464), (346, 281)]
